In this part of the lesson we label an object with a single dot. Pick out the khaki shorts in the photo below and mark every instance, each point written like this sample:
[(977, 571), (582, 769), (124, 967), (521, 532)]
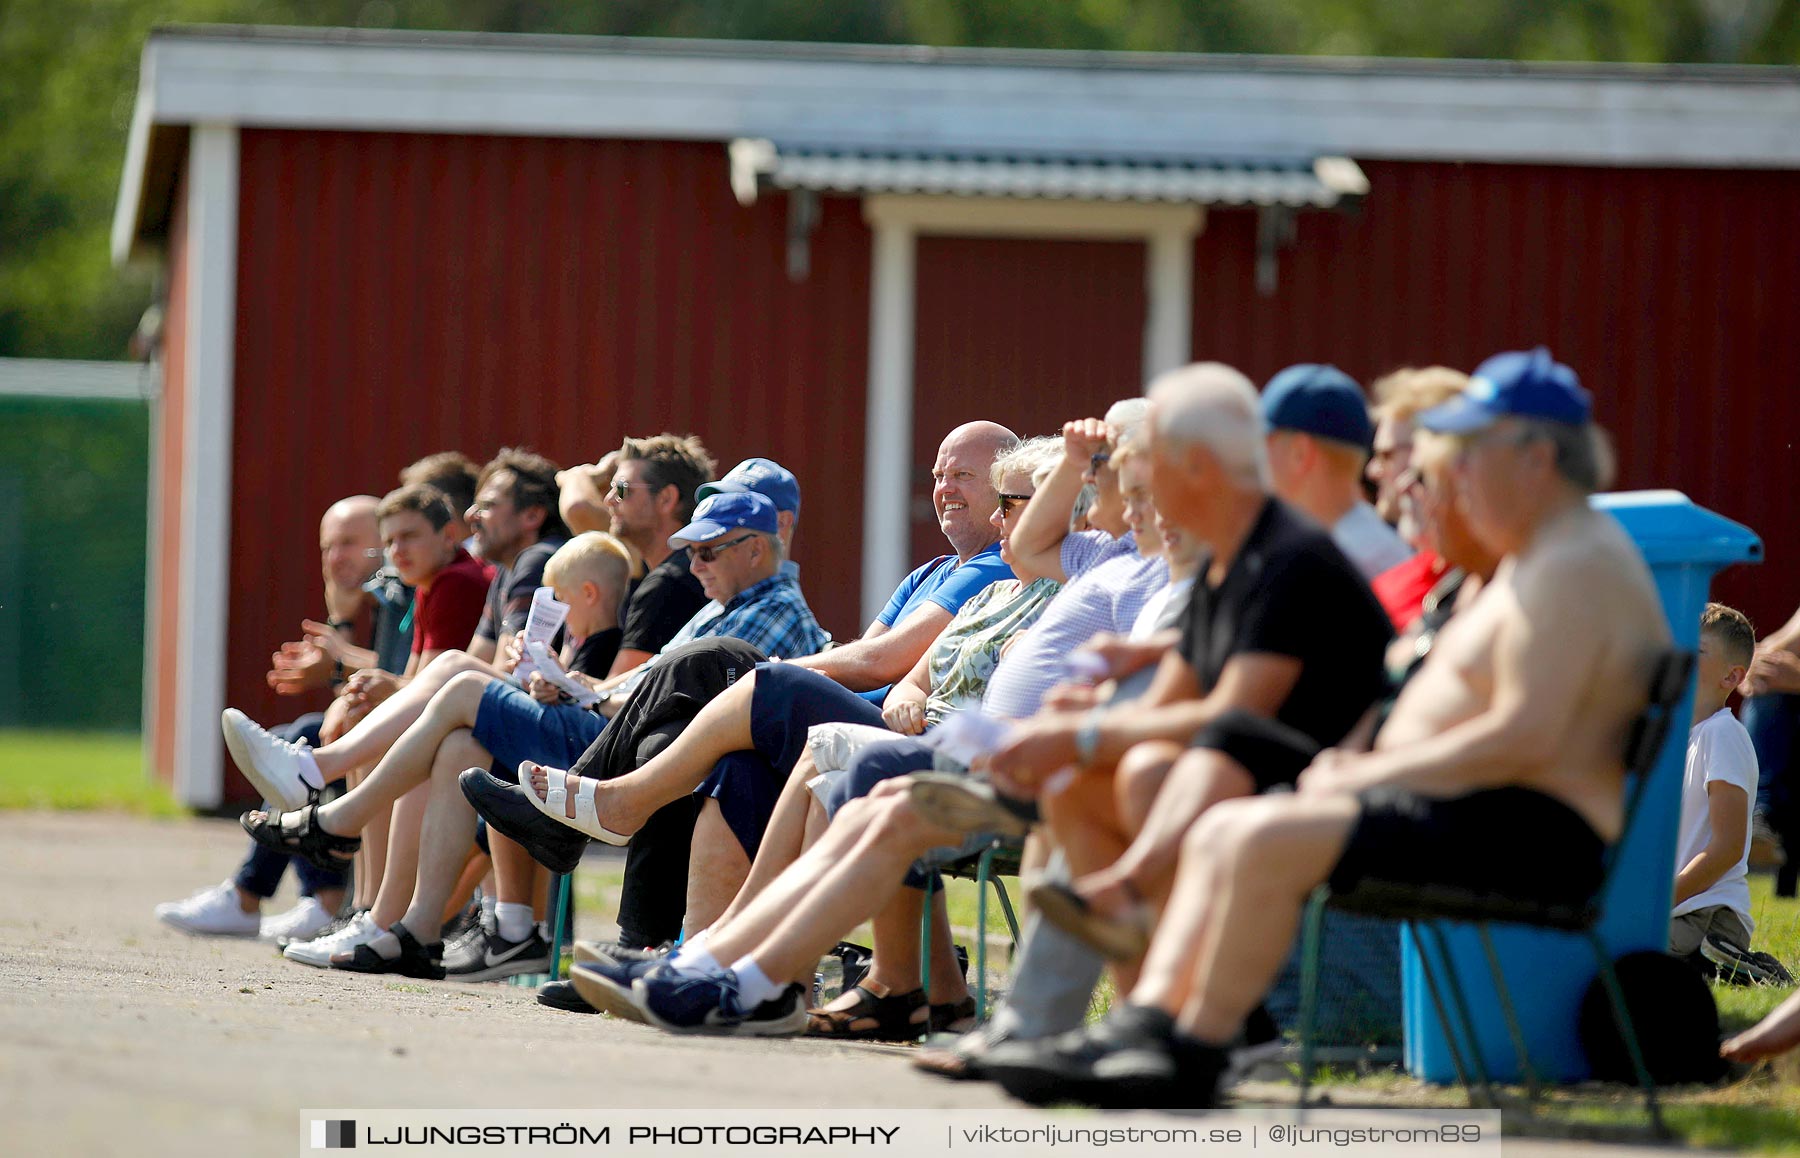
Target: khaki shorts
[(1721, 921)]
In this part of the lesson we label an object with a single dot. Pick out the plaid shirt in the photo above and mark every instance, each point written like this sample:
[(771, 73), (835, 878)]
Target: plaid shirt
[(771, 616)]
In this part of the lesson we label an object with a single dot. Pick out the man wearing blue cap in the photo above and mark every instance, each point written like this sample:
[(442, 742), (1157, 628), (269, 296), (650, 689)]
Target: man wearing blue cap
[(1318, 442), (1499, 770), (774, 482)]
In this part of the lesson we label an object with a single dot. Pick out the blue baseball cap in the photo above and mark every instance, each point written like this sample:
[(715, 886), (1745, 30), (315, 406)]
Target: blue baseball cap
[(762, 475), (722, 514), (1520, 384), (1319, 400)]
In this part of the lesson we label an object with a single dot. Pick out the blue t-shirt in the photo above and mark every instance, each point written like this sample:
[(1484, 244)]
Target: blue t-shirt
[(942, 581)]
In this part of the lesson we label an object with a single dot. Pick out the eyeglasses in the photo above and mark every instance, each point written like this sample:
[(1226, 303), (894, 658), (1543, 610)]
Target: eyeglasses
[(1011, 503), (620, 490), (708, 554)]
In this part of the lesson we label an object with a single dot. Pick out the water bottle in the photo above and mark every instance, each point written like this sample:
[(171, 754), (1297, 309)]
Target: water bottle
[(828, 980)]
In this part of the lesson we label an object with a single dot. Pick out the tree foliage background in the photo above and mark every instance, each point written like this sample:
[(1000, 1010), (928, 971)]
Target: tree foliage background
[(68, 74)]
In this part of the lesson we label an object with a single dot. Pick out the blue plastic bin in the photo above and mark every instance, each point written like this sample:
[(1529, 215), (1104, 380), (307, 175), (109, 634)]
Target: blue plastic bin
[(1685, 546)]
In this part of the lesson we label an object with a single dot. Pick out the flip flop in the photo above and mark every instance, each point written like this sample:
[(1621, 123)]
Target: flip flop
[(1121, 938), (556, 792)]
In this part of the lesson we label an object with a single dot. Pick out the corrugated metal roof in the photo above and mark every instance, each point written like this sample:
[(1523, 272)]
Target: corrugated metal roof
[(68, 378), (1320, 182)]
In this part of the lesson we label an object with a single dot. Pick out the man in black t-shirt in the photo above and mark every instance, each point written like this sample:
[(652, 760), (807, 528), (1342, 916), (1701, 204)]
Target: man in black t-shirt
[(1278, 654), (652, 496)]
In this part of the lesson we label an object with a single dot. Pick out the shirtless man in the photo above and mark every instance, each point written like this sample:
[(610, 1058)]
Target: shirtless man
[(1515, 725)]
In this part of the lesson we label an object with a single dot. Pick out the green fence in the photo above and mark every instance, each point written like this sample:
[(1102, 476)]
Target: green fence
[(74, 489)]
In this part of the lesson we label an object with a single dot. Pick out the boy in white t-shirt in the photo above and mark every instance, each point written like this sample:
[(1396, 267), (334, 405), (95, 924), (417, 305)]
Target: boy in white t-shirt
[(1712, 890)]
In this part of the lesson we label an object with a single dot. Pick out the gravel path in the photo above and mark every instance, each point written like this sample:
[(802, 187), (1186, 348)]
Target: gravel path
[(119, 1035)]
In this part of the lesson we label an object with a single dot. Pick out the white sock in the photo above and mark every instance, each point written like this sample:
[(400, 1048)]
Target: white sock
[(309, 768), (512, 921), (488, 904), (695, 959), (754, 986)]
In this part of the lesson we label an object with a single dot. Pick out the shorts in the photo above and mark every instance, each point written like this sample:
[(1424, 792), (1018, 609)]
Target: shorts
[(513, 727), (747, 788), (1721, 921), (789, 700), (1509, 842), (1270, 751)]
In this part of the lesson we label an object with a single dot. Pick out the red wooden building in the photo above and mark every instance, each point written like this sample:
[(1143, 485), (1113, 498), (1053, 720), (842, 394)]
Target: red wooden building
[(382, 245)]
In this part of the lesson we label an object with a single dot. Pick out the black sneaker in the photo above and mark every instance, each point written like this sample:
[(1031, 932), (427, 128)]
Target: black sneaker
[(410, 960), (561, 995), (490, 957), (466, 921), (1131, 1060), (1740, 966)]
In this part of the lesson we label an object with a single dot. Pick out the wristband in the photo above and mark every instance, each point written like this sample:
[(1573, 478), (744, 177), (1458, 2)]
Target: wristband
[(1087, 737)]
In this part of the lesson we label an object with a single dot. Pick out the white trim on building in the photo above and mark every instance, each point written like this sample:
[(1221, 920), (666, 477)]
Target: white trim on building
[(1098, 104), (203, 598)]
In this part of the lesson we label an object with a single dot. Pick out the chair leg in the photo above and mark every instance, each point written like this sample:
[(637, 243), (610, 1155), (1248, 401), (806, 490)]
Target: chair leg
[(1474, 1063), (1513, 1028), (1006, 910), (562, 902), (925, 940), (1627, 1031), (982, 868), (1310, 949)]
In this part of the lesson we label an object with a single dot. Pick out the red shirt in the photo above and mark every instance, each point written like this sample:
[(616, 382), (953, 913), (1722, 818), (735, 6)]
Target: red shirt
[(449, 605), (1403, 587)]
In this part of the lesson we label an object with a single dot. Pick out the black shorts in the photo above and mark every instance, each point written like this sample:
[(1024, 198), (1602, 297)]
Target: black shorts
[(1270, 751), (1510, 842)]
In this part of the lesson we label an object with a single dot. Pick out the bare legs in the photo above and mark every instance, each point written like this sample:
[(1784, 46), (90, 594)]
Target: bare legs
[(1770, 1037), (408, 761), (445, 833), (717, 866), (370, 739), (625, 802), (1246, 870), (854, 872)]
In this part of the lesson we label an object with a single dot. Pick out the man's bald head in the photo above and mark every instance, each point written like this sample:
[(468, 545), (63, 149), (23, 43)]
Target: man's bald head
[(982, 439), (349, 541), (962, 489)]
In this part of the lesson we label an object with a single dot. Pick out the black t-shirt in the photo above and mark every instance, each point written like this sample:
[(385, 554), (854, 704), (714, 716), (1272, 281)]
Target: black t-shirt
[(662, 604), (594, 655), (509, 595), (1291, 592)]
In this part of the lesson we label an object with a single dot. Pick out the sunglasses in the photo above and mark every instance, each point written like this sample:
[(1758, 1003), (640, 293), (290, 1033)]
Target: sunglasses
[(708, 554), (620, 490), (1010, 503)]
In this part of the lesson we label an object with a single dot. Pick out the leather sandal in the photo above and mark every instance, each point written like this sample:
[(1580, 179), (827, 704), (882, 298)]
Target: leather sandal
[(892, 1014), (1121, 938), (300, 834), (945, 1015)]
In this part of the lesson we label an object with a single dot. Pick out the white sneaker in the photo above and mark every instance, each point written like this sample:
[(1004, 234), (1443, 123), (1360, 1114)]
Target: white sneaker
[(283, 772), (300, 923), (318, 952), (214, 912)]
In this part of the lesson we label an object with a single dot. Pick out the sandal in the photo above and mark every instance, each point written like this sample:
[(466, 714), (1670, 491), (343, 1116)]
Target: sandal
[(300, 834), (892, 1014), (556, 792), (945, 1016), (1121, 938)]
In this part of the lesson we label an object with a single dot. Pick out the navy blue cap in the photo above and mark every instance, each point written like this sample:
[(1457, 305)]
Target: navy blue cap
[(762, 475), (1520, 384), (1319, 400), (722, 514)]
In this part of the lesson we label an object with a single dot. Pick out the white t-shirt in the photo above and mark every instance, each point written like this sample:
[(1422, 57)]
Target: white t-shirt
[(1718, 749), (1368, 542)]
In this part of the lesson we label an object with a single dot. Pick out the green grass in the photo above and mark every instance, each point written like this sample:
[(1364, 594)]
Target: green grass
[(78, 771)]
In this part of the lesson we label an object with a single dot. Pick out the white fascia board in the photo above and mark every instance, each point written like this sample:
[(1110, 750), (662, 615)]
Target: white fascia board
[(608, 91), (137, 154)]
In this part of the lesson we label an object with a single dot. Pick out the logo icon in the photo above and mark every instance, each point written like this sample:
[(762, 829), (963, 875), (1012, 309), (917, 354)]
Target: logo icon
[(333, 1135)]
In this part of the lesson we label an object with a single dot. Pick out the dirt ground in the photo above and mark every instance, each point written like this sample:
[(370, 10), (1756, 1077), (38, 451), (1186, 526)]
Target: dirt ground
[(119, 1035)]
